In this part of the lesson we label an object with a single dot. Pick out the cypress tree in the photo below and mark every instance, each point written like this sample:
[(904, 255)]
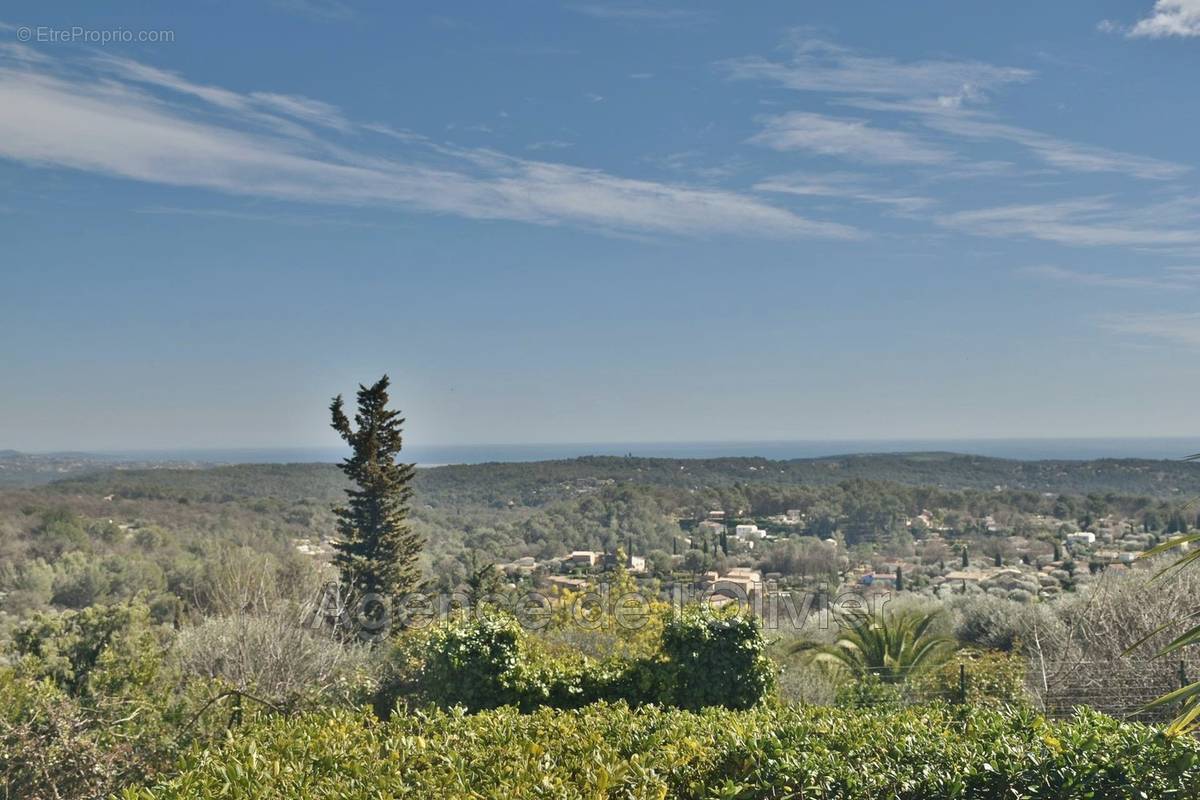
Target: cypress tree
[(376, 550), (966, 560), (899, 579), (483, 581)]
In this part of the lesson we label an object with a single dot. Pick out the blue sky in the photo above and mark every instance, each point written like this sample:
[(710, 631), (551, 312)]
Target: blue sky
[(598, 221)]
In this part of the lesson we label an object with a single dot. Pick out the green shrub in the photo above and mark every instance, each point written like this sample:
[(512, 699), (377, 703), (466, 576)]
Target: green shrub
[(870, 691), (990, 676), (88, 709), (71, 648), (716, 661), (611, 751), (487, 661), (479, 663)]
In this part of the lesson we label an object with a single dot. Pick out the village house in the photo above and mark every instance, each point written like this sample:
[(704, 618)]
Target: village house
[(585, 559)]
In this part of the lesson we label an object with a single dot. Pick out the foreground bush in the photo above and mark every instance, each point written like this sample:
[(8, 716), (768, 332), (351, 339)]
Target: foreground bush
[(611, 751), (703, 659), (96, 700)]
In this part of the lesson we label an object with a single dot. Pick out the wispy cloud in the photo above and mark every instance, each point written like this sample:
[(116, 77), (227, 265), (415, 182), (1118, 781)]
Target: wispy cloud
[(317, 9), (258, 107), (845, 186), (15, 51), (1108, 281), (1094, 221), (820, 66), (128, 120), (848, 138), (550, 144), (1176, 328), (304, 220), (1054, 151), (944, 96), (1169, 18), (643, 13)]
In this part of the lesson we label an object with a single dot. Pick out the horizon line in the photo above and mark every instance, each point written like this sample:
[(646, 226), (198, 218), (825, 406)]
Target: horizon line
[(246, 449)]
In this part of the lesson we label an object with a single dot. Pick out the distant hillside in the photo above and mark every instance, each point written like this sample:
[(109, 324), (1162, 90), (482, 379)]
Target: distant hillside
[(25, 469), (288, 482), (538, 483)]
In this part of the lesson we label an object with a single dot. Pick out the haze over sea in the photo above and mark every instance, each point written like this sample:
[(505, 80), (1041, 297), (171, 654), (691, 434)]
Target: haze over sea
[(431, 455)]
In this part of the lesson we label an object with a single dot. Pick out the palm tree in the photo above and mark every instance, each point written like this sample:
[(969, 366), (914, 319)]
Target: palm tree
[(892, 649), (1188, 696)]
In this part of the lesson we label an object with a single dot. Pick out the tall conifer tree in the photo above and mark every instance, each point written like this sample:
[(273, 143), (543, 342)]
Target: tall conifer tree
[(376, 550)]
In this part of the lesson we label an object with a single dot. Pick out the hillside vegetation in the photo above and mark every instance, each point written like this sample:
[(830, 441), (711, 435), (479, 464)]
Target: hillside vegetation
[(535, 483), (165, 635)]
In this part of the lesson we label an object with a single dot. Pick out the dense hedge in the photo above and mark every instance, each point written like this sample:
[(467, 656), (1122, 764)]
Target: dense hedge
[(489, 660), (610, 751)]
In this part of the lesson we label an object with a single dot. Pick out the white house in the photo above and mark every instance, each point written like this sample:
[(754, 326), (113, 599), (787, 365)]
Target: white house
[(749, 532)]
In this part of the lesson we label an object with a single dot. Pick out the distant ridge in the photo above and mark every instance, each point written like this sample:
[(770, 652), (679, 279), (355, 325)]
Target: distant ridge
[(539, 482), (1080, 449)]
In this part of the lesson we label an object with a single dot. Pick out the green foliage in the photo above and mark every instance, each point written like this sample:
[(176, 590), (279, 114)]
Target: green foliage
[(49, 747), (716, 660), (1188, 696), (483, 661), (869, 691), (483, 581), (480, 663), (893, 648), (28, 585), (488, 660), (990, 677), (610, 751), (75, 650), (60, 531), (376, 550), (613, 618), (90, 705)]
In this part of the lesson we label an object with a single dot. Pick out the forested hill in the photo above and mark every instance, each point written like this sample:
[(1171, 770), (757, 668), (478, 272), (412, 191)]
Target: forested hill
[(533, 482), (537, 483)]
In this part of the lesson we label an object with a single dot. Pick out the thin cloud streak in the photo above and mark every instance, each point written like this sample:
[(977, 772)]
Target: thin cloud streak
[(101, 117), (1081, 222), (1107, 281), (820, 66), (1057, 152), (642, 13), (1176, 328), (840, 185), (944, 96), (854, 139)]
